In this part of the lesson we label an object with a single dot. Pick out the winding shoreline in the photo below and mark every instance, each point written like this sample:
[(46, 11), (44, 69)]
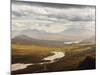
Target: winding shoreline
[(51, 59)]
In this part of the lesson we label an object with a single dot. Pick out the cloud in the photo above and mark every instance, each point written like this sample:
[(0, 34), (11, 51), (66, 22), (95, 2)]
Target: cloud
[(50, 28), (52, 5), (85, 14), (52, 20)]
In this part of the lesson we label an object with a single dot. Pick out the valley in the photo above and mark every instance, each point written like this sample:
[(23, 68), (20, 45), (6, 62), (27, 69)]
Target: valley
[(74, 55)]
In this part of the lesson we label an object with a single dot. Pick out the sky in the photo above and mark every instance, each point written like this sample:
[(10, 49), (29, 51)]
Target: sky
[(52, 18)]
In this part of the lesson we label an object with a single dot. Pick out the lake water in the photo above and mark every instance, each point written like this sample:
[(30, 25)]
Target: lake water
[(56, 55), (19, 66)]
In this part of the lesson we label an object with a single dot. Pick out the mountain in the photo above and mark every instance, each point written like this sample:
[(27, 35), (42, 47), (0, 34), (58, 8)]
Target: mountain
[(44, 35), (23, 39), (92, 39), (65, 36)]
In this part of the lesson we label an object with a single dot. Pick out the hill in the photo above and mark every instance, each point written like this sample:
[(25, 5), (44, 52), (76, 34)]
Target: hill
[(25, 40)]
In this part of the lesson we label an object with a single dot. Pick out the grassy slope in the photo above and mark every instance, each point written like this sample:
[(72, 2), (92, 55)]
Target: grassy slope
[(29, 53), (74, 55)]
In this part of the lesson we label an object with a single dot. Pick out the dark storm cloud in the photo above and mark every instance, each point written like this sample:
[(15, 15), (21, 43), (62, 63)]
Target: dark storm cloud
[(53, 5)]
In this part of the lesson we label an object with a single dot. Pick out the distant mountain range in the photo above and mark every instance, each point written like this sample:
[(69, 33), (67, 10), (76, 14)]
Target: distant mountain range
[(66, 35), (26, 40), (41, 35), (90, 40), (23, 39)]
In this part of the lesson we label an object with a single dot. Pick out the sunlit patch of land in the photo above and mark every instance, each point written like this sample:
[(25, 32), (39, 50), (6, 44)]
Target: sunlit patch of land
[(29, 53)]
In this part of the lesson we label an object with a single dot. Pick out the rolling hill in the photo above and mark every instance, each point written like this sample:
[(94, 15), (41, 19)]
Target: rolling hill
[(23, 39)]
